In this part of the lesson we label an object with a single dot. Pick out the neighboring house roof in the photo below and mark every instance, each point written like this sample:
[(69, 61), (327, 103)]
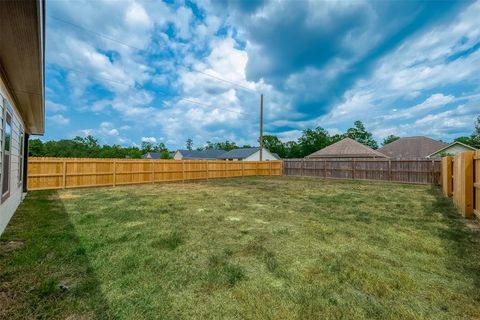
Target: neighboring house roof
[(451, 145), (346, 148), (152, 155), (241, 153), (210, 154), (276, 155), (412, 147)]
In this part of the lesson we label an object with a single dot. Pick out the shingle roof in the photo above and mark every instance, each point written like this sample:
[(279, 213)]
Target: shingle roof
[(153, 155), (238, 153), (346, 148), (412, 147), (210, 154)]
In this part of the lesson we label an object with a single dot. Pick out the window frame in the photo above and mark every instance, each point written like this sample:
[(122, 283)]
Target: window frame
[(7, 114), (21, 147)]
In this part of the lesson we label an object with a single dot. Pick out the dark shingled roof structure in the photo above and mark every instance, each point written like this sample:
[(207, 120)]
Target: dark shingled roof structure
[(239, 153), (412, 147), (346, 148), (151, 155), (210, 154)]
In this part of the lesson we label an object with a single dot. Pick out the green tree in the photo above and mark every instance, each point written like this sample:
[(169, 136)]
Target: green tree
[(35, 148), (189, 144), (147, 147), (390, 139), (313, 140), (359, 133), (273, 144), (165, 154)]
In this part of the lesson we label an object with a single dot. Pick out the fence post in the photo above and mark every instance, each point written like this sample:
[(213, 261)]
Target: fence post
[(183, 170), (153, 171), (463, 183), (64, 174), (353, 169), (433, 172), (270, 168), (114, 173), (243, 168), (207, 170), (390, 170), (325, 169), (446, 175), (303, 168)]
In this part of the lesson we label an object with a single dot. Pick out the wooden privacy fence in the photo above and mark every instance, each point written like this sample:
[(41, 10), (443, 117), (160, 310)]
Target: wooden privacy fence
[(61, 173), (461, 181), (409, 171)]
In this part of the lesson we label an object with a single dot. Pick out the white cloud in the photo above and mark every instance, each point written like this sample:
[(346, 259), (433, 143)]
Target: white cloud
[(59, 119), (54, 107), (149, 139)]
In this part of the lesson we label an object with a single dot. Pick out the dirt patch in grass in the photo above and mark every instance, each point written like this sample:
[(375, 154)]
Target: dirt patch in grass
[(9, 246)]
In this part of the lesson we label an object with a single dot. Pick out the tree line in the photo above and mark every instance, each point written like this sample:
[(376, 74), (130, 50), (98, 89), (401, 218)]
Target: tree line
[(310, 141)]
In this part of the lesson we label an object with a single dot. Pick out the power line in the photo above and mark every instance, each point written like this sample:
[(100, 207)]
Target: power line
[(98, 34), (224, 80), (164, 103), (133, 47)]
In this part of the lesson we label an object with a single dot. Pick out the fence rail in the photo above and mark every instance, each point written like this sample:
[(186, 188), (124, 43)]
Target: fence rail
[(61, 173), (408, 171)]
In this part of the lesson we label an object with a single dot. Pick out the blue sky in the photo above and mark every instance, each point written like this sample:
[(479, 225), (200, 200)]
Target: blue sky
[(128, 71)]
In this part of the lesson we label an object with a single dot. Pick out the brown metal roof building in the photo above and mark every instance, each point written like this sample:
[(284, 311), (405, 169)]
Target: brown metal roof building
[(412, 148), (346, 148)]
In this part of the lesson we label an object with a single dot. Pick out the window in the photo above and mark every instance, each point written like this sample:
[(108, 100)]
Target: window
[(20, 156), (7, 133)]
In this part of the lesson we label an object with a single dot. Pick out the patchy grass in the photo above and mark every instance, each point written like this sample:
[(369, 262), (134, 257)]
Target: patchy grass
[(254, 248)]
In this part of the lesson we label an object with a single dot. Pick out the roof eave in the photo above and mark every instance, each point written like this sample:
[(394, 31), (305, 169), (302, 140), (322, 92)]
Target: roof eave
[(22, 59)]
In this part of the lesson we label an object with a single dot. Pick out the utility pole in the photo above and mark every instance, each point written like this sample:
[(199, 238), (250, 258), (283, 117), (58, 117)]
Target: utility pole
[(261, 127)]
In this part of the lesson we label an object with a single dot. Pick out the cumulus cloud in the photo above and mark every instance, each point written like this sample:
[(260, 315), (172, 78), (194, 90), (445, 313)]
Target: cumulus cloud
[(149, 139), (59, 119)]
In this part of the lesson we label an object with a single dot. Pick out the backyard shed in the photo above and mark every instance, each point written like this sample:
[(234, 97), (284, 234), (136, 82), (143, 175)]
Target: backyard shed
[(412, 148), (346, 149), (21, 95)]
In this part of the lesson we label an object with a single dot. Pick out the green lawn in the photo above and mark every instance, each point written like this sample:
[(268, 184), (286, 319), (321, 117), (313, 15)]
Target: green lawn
[(252, 248)]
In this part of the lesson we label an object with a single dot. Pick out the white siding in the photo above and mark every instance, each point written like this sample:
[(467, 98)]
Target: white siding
[(9, 205), (266, 156), (178, 155), (453, 149)]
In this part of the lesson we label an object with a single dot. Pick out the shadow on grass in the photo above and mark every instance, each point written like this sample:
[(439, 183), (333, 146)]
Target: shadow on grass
[(461, 238), (49, 276)]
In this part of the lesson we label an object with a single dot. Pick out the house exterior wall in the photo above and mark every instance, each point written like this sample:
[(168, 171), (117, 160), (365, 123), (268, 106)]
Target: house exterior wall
[(178, 156), (10, 204), (266, 156), (451, 150)]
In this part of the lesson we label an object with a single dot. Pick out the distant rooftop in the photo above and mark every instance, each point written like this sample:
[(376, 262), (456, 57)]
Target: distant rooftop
[(412, 147), (209, 154), (346, 148)]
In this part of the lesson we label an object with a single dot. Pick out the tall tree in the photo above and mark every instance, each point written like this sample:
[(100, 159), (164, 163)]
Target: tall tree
[(390, 139), (189, 144), (273, 144), (313, 140), (147, 147), (359, 133)]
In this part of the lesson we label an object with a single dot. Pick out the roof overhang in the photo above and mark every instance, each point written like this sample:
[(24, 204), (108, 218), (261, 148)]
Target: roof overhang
[(22, 59)]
